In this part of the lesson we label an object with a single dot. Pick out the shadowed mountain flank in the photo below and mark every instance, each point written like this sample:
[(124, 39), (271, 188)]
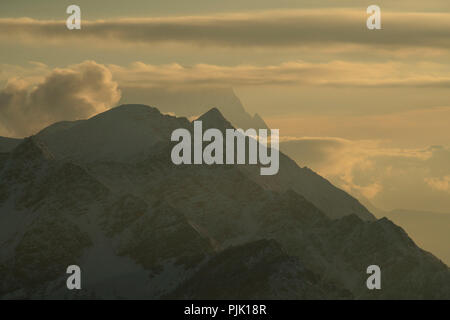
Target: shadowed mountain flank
[(7, 144), (103, 194)]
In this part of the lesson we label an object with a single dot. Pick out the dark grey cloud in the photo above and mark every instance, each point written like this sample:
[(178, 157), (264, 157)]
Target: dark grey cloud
[(274, 29)]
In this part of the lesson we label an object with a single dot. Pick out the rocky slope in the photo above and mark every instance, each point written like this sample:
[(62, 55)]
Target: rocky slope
[(141, 227)]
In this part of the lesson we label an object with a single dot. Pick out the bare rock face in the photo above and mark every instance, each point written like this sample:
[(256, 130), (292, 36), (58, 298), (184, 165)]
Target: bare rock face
[(256, 270)]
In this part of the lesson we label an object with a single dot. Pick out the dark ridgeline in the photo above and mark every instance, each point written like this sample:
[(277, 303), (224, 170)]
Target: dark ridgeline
[(103, 194)]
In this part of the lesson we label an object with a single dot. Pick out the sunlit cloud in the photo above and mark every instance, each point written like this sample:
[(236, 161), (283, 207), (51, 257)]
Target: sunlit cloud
[(440, 184), (71, 93), (291, 73), (388, 177), (334, 73)]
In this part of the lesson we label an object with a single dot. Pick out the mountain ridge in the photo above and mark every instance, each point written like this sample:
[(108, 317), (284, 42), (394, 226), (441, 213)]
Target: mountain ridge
[(96, 140), (162, 227)]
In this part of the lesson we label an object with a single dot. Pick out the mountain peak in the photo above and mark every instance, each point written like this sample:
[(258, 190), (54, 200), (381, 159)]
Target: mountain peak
[(214, 119), (123, 133), (259, 122), (212, 113), (130, 110)]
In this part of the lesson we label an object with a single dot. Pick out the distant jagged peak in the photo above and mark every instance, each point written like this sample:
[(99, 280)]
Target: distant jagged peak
[(191, 102)]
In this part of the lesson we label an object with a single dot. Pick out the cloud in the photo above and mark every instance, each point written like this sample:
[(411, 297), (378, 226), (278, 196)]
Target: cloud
[(388, 177), (417, 126), (32, 72), (333, 74), (441, 184), (71, 93), (291, 73), (276, 28), (339, 159)]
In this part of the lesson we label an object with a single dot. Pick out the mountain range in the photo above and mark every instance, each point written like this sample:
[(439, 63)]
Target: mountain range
[(193, 102), (103, 194)]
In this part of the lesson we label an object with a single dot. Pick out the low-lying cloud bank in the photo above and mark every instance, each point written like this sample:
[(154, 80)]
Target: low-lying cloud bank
[(71, 93), (280, 28), (390, 178), (36, 95)]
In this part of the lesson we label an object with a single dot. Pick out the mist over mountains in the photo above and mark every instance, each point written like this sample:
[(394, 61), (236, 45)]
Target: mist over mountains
[(103, 194), (192, 102)]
